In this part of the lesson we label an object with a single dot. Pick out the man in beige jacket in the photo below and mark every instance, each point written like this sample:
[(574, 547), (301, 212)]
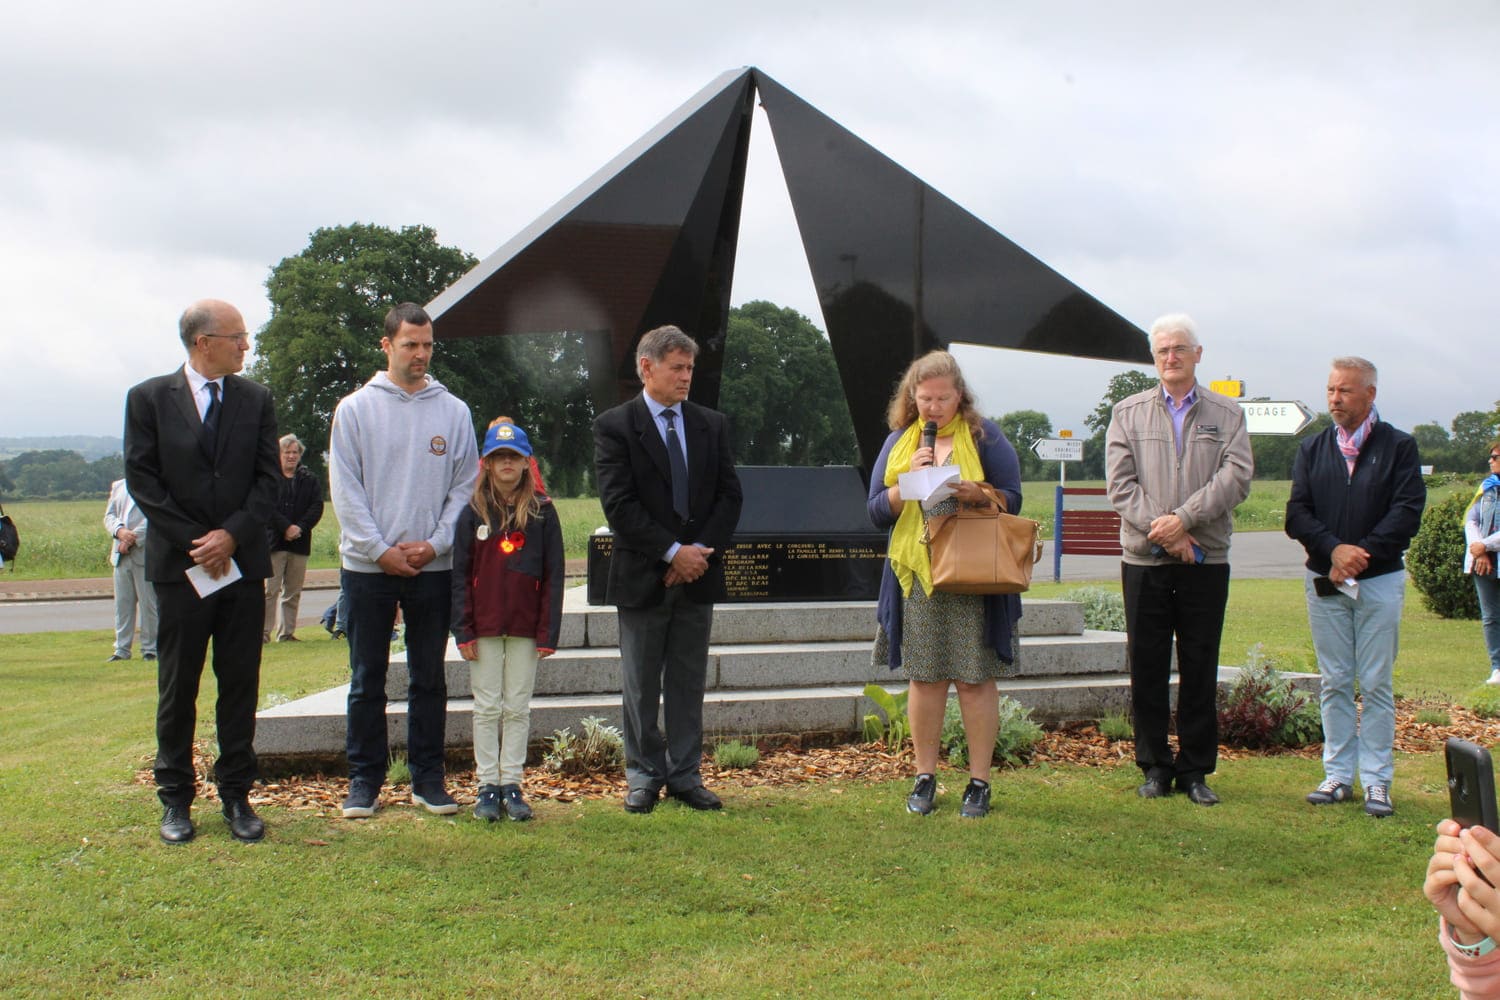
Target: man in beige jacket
[(1177, 461)]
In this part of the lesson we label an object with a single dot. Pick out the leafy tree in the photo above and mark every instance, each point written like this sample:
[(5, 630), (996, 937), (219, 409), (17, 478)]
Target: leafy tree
[(59, 474), (1126, 383), (328, 304), (1022, 428), (1473, 431), (782, 391)]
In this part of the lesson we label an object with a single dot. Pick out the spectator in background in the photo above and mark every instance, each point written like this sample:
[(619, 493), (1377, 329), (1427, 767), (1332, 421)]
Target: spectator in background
[(299, 506), (1482, 535), (126, 524)]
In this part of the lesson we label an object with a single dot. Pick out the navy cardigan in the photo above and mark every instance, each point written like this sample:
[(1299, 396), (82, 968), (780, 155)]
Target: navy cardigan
[(1002, 470)]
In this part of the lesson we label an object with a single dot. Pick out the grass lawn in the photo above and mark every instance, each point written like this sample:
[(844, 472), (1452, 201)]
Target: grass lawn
[(1073, 888)]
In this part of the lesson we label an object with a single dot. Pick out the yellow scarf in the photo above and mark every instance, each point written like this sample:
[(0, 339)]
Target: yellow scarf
[(908, 556)]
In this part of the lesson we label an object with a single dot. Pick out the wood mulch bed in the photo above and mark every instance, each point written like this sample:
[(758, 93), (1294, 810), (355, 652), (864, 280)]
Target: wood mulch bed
[(789, 764)]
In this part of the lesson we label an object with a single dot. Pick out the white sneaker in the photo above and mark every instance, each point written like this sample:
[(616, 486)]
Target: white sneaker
[(1494, 677)]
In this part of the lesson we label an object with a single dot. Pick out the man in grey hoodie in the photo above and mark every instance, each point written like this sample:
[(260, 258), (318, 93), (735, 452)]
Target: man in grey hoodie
[(403, 460)]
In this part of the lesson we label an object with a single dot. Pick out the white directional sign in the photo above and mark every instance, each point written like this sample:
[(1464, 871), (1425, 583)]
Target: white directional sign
[(1265, 416), (1058, 449)]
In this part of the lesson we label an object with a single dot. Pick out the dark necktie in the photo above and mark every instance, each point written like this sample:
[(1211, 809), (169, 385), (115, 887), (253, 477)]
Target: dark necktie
[(211, 416), (679, 466)]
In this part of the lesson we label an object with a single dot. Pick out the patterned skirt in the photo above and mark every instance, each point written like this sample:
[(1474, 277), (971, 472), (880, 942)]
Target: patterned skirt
[(943, 640)]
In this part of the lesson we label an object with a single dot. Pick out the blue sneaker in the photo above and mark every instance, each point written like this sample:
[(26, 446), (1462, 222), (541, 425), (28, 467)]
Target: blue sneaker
[(515, 806), (432, 796), (488, 806), (362, 801)]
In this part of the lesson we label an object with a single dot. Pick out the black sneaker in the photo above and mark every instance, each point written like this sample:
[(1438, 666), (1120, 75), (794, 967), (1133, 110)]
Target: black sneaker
[(488, 806), (1329, 792), (976, 803), (515, 806), (362, 801), (432, 796), (923, 794)]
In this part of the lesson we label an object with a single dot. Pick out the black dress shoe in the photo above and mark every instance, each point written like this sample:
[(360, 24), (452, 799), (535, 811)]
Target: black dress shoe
[(1155, 788), (244, 825), (177, 824), (1200, 794), (697, 797), (640, 800)]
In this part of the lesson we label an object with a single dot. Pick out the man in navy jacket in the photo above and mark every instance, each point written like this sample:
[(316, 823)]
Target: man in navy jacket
[(1357, 499)]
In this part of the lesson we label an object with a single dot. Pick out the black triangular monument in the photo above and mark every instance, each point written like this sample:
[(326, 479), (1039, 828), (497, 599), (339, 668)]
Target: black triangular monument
[(899, 268)]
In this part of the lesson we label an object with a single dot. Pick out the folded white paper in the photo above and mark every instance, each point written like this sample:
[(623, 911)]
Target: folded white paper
[(205, 584), (929, 486), (1349, 588)]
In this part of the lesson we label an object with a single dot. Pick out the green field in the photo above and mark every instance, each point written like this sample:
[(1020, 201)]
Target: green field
[(1073, 888)]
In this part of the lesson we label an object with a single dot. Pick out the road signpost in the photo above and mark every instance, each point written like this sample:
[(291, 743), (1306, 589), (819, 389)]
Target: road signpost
[(1059, 450), (1270, 416)]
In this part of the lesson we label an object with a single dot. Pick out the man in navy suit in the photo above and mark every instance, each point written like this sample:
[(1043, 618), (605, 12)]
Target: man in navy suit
[(201, 461), (669, 491)]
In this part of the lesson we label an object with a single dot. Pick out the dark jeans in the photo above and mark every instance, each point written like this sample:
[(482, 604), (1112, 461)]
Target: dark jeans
[(1188, 601), (424, 603), (232, 619), (664, 669)]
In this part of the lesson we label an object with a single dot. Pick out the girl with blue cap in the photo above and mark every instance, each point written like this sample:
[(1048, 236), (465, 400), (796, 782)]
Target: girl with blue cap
[(507, 608)]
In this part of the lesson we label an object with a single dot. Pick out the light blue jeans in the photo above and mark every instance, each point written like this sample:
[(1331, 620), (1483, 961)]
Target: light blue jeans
[(1488, 588), (1356, 643)]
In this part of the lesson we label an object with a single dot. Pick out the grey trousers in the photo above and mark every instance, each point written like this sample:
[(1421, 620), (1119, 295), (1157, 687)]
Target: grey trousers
[(664, 666), (133, 591)]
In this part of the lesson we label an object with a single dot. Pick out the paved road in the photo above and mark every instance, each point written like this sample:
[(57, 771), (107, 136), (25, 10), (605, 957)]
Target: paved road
[(85, 605)]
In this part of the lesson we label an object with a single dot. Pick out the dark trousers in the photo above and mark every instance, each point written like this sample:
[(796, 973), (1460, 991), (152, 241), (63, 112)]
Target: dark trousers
[(664, 668), (424, 601), (231, 618), (1187, 601)]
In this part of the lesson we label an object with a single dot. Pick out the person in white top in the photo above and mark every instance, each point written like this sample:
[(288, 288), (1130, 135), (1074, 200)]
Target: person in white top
[(126, 524)]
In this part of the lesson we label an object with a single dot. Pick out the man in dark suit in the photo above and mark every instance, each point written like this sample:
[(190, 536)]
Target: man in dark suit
[(201, 461), (669, 491)]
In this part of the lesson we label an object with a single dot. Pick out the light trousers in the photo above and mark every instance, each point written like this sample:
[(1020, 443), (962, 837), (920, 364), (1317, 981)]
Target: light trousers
[(502, 679), (132, 592), (1356, 643), (284, 587)]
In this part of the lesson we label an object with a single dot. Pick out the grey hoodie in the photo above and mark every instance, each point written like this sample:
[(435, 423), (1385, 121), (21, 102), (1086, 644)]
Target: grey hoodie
[(401, 468)]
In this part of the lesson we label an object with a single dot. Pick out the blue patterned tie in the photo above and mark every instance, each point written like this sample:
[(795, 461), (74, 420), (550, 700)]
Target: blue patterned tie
[(679, 466)]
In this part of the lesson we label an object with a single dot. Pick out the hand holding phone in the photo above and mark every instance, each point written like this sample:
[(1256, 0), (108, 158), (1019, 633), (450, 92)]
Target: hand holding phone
[(1471, 785)]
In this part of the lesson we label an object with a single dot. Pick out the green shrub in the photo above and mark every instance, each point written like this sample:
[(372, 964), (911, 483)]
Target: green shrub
[(1433, 717), (1015, 738), (600, 748), (896, 727), (734, 754), (1436, 560), (1116, 727), (1263, 709), (1102, 609), (399, 771), (1484, 701)]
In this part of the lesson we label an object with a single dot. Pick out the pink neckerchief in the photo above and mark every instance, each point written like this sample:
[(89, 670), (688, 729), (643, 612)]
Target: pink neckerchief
[(1350, 444)]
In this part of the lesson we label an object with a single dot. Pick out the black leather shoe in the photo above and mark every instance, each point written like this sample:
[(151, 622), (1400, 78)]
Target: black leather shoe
[(697, 797), (1155, 788), (177, 824), (1200, 794), (640, 800), (244, 825)]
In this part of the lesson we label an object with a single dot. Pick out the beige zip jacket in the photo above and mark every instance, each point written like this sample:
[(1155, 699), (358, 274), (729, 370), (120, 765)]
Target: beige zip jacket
[(1147, 479)]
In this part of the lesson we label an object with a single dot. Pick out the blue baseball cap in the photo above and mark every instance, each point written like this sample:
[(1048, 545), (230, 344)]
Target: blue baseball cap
[(507, 436)]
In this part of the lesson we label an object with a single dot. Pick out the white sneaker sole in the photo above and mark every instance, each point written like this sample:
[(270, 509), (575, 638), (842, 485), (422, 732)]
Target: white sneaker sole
[(359, 812)]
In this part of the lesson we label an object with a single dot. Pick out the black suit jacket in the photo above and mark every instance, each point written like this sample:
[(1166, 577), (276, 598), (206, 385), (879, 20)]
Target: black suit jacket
[(635, 488), (188, 489)]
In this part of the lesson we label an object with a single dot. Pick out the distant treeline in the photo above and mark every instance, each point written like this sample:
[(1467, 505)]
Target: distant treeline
[(90, 446), (59, 474)]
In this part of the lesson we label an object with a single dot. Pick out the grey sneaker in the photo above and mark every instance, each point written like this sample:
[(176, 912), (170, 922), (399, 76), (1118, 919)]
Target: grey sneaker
[(922, 796), (488, 806), (515, 806), (362, 801), (1329, 792), (976, 803), (1378, 801), (432, 796)]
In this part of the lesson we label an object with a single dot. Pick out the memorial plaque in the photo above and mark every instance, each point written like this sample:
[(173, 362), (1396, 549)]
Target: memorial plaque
[(835, 568)]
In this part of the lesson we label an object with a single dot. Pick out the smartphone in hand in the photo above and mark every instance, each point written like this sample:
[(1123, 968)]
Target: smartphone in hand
[(1471, 785)]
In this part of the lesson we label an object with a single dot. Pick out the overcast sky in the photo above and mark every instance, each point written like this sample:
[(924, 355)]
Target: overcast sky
[(1305, 179)]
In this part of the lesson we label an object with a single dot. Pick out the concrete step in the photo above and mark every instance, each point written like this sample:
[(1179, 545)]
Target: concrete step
[(315, 725), (788, 664)]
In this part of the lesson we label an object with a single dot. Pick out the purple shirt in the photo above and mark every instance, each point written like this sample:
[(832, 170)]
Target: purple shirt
[(1178, 412)]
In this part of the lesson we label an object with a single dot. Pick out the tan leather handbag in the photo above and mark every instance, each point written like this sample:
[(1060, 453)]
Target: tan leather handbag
[(982, 549)]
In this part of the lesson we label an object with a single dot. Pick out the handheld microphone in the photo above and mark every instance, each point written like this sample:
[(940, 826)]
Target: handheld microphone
[(929, 434)]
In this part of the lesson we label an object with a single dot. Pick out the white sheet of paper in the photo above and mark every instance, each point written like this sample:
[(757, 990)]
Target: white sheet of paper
[(929, 486), (1350, 588), (205, 584)]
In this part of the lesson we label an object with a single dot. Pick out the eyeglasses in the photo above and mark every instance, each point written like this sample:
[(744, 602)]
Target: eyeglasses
[(243, 338), (1181, 350), (1494, 456)]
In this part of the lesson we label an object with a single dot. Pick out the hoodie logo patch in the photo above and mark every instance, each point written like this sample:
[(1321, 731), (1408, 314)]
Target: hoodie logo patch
[(438, 445)]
